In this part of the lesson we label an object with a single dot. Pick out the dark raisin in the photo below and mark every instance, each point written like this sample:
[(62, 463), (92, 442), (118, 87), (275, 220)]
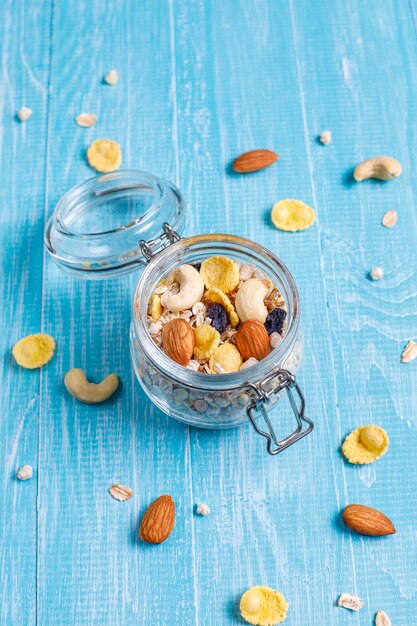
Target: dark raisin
[(275, 321), (218, 316)]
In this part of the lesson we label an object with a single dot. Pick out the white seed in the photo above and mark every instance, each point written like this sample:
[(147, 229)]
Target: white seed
[(382, 619), (25, 472), (203, 509), (246, 271), (389, 219), (120, 492), (186, 315), (376, 273), (409, 352), (86, 120), (274, 339), (218, 368), (325, 137), (155, 328), (24, 114), (199, 309), (348, 601), (251, 361), (112, 77), (193, 365)]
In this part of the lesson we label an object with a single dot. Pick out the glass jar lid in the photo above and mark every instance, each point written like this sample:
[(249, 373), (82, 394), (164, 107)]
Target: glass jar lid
[(113, 223)]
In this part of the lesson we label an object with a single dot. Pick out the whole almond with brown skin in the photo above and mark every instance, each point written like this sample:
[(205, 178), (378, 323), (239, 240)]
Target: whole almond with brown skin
[(178, 340), (252, 340), (158, 522), (367, 521), (254, 160)]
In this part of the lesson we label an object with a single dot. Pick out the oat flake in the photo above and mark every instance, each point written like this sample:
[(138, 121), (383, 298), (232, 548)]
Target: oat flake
[(409, 352), (348, 601), (382, 619), (120, 492), (390, 218), (86, 120), (112, 77)]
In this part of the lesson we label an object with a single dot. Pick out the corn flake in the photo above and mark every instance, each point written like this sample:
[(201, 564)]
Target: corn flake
[(221, 273), (292, 215), (207, 339), (104, 155), (216, 295), (155, 307), (263, 606), (226, 358), (365, 444), (34, 351)]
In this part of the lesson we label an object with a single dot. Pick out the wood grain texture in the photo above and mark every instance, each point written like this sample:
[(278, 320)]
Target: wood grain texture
[(201, 82)]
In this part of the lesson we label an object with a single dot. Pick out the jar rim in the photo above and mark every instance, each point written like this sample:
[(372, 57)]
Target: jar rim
[(203, 380)]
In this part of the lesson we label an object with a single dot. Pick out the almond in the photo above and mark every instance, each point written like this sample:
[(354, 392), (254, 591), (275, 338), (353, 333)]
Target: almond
[(158, 522), (252, 340), (254, 160), (367, 521), (178, 340)]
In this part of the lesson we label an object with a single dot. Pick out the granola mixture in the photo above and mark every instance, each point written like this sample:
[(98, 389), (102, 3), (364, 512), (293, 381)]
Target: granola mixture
[(234, 315)]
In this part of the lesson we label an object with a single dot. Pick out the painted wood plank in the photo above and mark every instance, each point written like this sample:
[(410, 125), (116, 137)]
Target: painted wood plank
[(24, 66), (92, 568)]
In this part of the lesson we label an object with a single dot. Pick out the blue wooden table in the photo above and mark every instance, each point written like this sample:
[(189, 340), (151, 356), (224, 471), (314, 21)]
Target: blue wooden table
[(201, 82)]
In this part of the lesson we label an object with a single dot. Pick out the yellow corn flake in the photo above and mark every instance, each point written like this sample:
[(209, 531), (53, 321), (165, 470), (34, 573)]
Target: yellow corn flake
[(104, 155), (226, 358), (221, 273), (215, 295), (292, 215), (155, 307), (263, 606), (365, 444), (207, 339), (34, 351)]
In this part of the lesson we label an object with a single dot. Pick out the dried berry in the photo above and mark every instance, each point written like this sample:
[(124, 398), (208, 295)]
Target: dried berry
[(218, 316), (275, 321)]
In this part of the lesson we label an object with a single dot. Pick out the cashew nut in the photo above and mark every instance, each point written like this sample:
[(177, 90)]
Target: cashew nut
[(249, 302), (191, 289), (78, 386), (381, 167)]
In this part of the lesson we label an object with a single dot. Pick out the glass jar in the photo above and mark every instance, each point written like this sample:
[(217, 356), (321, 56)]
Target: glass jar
[(117, 222)]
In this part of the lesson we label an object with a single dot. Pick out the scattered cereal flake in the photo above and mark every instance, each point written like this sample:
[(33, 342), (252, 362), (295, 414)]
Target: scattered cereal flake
[(246, 271), (25, 472), (226, 357), (203, 509), (292, 215), (325, 137), (348, 601), (409, 352), (263, 606), (216, 295), (86, 120), (376, 273), (365, 444), (389, 219), (155, 308), (34, 351), (382, 619), (104, 155), (112, 77), (221, 273), (207, 339), (120, 492), (24, 114)]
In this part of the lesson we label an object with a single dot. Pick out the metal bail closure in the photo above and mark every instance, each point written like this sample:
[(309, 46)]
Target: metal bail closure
[(168, 237), (279, 380)]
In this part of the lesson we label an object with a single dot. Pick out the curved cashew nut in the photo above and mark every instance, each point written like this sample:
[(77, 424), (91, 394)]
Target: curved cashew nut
[(78, 386), (191, 289), (249, 300), (381, 167)]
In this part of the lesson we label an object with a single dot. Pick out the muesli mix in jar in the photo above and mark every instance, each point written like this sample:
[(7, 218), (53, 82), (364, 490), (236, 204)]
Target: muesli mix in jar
[(215, 333)]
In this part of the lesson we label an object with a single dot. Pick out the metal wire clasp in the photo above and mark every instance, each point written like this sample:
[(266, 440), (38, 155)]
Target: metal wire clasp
[(279, 380), (169, 236)]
